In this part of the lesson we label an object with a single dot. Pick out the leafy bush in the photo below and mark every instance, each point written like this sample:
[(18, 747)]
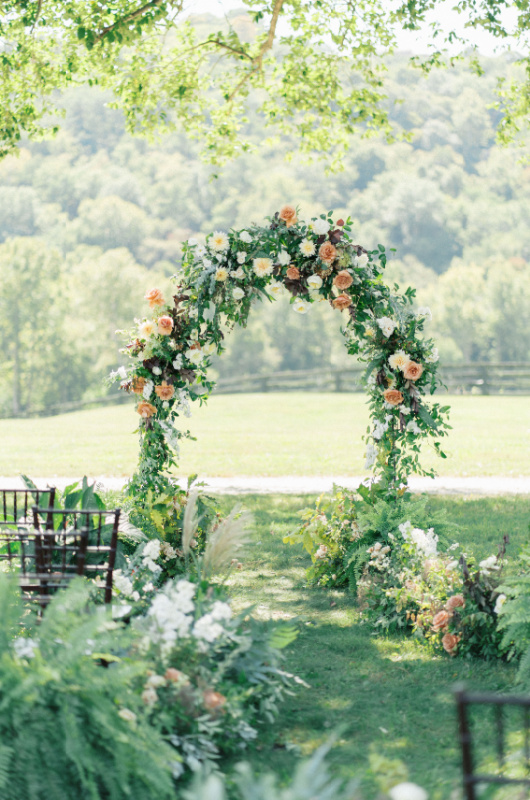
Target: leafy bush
[(64, 729)]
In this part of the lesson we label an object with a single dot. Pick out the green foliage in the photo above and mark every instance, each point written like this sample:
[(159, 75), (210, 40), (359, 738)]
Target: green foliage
[(60, 730)]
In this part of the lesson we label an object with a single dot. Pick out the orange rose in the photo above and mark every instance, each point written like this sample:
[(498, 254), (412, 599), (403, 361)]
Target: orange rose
[(327, 252), (288, 214), (342, 301), (165, 391), (413, 371), (456, 601), (343, 280), (293, 273), (154, 298), (146, 410), (138, 384), (165, 326), (440, 621), (393, 396), (174, 675), (450, 643), (213, 700)]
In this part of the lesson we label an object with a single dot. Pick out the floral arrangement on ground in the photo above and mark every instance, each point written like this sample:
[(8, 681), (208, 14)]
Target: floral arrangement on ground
[(406, 575)]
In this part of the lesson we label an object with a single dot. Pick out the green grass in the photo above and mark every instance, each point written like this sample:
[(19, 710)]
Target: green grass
[(388, 693), (266, 434)]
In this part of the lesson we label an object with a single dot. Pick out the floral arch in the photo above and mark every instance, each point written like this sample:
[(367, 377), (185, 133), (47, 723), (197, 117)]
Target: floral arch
[(170, 349)]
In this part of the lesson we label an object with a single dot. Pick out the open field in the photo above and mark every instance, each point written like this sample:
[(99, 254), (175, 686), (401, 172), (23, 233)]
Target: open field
[(388, 693), (268, 435)]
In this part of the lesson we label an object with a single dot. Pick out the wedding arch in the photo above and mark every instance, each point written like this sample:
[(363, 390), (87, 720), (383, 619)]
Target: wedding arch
[(170, 348)]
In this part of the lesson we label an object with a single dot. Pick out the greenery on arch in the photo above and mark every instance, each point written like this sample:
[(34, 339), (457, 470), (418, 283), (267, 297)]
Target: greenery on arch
[(315, 261)]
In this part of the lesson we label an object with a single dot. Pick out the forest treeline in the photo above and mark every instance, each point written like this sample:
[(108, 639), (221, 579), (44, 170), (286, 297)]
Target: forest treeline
[(93, 218)]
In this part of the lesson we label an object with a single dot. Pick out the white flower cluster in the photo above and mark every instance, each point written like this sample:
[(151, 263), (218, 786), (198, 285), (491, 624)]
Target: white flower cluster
[(379, 556), (371, 455), (124, 585), (387, 325), (172, 616), (380, 427), (489, 565), (25, 647), (150, 553), (426, 542)]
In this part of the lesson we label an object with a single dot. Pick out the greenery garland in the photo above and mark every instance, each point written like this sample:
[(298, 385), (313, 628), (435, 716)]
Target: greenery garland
[(313, 261)]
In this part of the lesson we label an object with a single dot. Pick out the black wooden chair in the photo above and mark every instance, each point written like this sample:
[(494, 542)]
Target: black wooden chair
[(16, 504), (498, 704), (70, 543), (16, 520)]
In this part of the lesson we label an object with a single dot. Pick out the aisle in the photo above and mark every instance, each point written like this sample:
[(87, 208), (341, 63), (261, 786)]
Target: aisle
[(385, 692)]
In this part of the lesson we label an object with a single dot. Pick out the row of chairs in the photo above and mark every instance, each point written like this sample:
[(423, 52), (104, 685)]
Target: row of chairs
[(50, 546)]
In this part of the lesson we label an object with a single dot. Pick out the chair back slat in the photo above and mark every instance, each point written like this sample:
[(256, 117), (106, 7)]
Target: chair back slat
[(16, 504), (97, 551), (499, 703)]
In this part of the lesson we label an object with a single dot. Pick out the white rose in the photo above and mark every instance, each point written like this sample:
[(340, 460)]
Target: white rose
[(238, 273), (314, 281), (387, 325), (238, 293), (241, 257), (433, 357), (245, 237), (361, 261), (284, 258), (408, 791), (221, 274), (276, 288), (192, 242), (319, 226), (501, 599), (424, 312), (301, 306), (195, 356)]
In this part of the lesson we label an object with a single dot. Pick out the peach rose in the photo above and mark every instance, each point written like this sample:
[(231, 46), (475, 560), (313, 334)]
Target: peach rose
[(293, 273), (146, 410), (393, 396), (174, 675), (456, 601), (342, 301), (327, 252), (165, 326), (343, 280), (154, 297), (165, 391), (288, 214), (138, 384), (450, 642), (440, 621), (213, 700), (412, 371)]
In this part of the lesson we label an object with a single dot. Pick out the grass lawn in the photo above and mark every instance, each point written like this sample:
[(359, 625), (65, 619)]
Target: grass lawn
[(387, 693), (268, 435)]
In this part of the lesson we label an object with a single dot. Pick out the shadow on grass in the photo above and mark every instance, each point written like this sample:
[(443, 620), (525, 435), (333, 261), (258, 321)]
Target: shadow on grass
[(387, 692)]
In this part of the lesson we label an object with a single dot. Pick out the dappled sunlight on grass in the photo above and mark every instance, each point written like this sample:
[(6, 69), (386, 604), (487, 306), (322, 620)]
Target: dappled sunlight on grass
[(385, 692)]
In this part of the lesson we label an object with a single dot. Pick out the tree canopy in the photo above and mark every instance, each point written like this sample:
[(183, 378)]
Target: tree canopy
[(312, 69)]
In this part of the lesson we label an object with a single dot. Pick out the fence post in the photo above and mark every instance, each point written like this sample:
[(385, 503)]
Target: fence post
[(465, 742)]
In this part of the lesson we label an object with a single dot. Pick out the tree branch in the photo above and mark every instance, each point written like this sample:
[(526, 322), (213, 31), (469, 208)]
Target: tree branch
[(257, 61), (129, 17), (37, 15)]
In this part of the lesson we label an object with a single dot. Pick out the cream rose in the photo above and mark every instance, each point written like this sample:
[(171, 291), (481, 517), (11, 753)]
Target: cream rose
[(288, 215), (165, 326), (327, 252), (412, 371), (314, 282), (343, 280), (393, 397), (146, 410), (154, 298), (293, 273), (165, 391), (341, 302)]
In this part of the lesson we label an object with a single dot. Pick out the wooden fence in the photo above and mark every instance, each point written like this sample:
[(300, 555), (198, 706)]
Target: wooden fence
[(508, 379)]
